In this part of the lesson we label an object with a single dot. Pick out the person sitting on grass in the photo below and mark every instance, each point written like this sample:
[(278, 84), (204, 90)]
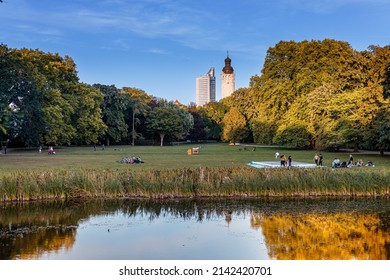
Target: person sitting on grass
[(138, 160), (131, 160), (51, 151), (336, 163)]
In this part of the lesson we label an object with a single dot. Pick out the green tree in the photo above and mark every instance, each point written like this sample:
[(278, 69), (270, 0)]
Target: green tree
[(57, 114), (199, 129), (313, 112), (212, 129), (292, 70), (26, 93), (31, 78), (234, 129), (88, 114), (379, 72), (325, 88), (263, 133), (243, 100), (187, 120), (216, 112), (353, 112), (164, 121), (5, 117), (137, 107), (53, 107), (114, 108), (6, 87), (294, 136), (5, 84), (378, 134)]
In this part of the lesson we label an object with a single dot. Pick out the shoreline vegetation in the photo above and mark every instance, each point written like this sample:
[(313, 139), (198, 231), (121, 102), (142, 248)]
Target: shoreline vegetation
[(200, 182), (218, 171)]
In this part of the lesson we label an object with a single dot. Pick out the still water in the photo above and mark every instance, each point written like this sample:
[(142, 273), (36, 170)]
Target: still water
[(223, 229)]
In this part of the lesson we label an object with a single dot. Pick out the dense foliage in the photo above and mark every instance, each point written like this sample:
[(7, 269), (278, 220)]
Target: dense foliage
[(310, 94), (319, 94), (48, 103), (42, 102)]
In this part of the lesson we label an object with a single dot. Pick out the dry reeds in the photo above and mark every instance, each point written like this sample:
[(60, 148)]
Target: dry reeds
[(193, 182)]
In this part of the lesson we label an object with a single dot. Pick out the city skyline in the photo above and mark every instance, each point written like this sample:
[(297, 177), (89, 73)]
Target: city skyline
[(159, 46)]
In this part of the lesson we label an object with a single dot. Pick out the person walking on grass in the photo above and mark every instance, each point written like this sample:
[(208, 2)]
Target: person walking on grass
[(282, 160), (289, 160), (320, 160), (316, 159)]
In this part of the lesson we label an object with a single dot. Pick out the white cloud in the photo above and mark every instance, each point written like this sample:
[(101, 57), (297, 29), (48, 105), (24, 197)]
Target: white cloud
[(149, 19), (188, 24), (157, 51)]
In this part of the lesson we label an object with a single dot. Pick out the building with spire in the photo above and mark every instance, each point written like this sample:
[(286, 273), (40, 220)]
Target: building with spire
[(227, 78), (205, 88)]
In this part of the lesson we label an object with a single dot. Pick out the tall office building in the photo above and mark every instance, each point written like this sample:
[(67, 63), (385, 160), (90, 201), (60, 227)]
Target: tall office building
[(205, 88), (227, 78)]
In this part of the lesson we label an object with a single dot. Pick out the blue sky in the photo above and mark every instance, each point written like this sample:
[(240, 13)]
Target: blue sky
[(161, 46)]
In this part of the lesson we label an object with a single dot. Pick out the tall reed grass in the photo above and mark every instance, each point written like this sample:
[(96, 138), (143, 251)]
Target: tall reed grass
[(193, 182)]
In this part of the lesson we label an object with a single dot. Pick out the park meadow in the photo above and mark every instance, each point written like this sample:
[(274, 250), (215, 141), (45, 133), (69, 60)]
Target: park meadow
[(219, 170)]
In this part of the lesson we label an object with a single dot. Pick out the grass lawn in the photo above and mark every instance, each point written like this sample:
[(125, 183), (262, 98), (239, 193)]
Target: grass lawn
[(211, 155)]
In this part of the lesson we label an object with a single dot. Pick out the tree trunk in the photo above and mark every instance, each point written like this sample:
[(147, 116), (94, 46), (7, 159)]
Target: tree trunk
[(313, 144), (133, 129), (162, 139)]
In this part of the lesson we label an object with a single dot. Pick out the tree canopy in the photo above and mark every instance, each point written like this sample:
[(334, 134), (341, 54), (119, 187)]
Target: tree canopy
[(309, 94), (234, 126), (168, 119), (320, 94), (53, 106)]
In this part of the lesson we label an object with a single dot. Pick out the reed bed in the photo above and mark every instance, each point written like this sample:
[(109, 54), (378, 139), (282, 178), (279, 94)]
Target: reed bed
[(192, 182)]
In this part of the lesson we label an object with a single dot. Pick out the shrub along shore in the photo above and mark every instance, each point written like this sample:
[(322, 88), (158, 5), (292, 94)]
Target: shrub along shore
[(192, 182)]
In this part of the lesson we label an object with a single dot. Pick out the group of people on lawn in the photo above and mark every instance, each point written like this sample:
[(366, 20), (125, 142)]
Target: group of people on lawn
[(337, 163), (284, 161), (131, 160), (319, 160)]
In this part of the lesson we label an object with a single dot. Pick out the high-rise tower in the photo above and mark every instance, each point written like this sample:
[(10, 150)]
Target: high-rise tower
[(205, 88), (227, 78)]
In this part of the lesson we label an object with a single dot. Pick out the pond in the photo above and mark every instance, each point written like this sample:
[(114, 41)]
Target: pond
[(207, 229)]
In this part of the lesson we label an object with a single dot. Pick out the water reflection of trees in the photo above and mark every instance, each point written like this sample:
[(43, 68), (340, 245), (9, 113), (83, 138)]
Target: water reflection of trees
[(31, 244), (318, 236), (184, 208), (290, 227), (31, 229)]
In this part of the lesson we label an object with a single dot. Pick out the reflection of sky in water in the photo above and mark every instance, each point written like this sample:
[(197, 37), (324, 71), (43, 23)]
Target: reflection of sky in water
[(118, 236)]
